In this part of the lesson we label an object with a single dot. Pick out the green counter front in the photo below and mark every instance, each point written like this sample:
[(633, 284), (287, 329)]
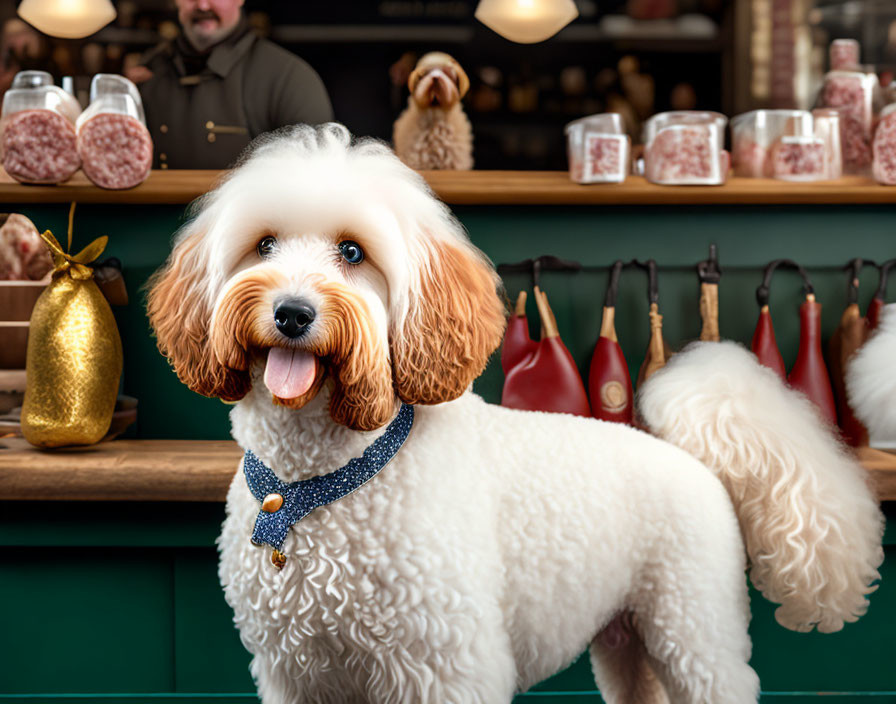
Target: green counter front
[(119, 600)]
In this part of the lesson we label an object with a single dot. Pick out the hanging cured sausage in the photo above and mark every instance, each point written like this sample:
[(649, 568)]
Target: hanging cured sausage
[(609, 381), (880, 296), (518, 346), (549, 380), (846, 340), (764, 344), (809, 373)]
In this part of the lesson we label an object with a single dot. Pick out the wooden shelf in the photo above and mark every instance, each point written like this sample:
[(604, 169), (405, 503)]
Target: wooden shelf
[(187, 470), (492, 188), (168, 187), (555, 188), (120, 470)]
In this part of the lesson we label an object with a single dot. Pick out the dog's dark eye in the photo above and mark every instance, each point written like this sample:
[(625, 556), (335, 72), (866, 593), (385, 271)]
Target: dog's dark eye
[(351, 252), (265, 247)]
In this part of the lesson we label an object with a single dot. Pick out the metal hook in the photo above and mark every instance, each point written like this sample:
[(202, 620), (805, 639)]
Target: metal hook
[(709, 270), (884, 268), (613, 287), (762, 292)]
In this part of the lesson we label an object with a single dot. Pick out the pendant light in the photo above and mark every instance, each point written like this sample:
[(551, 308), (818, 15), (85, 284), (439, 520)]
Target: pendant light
[(67, 19), (526, 21)]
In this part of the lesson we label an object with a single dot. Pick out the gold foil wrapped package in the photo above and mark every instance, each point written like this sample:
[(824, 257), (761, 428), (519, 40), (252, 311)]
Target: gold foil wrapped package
[(74, 355)]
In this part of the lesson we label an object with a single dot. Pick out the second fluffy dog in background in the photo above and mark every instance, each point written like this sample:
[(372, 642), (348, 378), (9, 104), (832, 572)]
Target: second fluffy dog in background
[(433, 132)]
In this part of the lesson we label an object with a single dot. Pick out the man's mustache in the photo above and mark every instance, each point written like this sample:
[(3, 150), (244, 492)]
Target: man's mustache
[(200, 15)]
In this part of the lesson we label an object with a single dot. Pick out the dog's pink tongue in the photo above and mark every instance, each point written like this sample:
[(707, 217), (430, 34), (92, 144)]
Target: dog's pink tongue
[(289, 373)]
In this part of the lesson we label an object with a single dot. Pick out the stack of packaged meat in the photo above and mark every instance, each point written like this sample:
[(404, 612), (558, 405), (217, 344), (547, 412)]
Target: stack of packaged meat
[(113, 142), (37, 130), (853, 94), (884, 164), (23, 254), (786, 144), (686, 148), (598, 149)]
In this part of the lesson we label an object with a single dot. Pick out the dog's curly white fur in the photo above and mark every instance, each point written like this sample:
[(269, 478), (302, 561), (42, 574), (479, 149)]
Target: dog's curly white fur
[(497, 544)]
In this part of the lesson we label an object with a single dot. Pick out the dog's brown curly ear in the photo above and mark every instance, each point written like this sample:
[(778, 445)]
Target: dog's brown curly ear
[(453, 325), (181, 317)]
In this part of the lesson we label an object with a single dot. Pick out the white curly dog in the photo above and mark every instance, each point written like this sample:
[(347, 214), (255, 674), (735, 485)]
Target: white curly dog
[(320, 285)]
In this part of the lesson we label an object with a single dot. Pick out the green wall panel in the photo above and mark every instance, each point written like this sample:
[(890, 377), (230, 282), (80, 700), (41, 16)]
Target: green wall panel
[(76, 620), (207, 651), (110, 619)]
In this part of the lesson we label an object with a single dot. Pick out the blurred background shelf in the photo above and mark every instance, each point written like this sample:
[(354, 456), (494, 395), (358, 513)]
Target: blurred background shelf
[(187, 470)]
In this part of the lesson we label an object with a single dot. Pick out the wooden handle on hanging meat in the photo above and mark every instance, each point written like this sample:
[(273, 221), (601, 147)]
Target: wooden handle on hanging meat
[(548, 321), (709, 312), (608, 324), (710, 273), (656, 349)]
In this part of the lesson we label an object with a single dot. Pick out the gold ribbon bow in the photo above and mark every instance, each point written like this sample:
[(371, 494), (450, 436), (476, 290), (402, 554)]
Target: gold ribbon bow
[(75, 265)]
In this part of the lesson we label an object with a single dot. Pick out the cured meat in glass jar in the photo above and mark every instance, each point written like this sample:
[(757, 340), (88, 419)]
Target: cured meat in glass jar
[(884, 148), (598, 149), (853, 93), (113, 141), (38, 130)]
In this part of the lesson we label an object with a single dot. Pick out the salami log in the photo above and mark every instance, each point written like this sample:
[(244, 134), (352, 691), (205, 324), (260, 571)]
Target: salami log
[(116, 150), (39, 146)]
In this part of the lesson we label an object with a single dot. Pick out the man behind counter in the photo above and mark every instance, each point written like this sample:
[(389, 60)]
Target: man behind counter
[(218, 85)]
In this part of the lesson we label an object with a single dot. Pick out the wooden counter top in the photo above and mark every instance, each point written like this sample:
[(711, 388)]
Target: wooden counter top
[(492, 188), (120, 470), (187, 470)]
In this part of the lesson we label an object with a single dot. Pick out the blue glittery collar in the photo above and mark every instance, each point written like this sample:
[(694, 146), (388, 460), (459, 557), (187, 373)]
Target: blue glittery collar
[(283, 505)]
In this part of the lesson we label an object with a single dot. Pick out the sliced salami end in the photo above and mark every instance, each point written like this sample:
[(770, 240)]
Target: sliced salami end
[(116, 150), (39, 146)]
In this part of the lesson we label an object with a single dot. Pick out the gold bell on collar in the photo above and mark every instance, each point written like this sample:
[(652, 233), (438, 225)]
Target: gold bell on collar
[(74, 360)]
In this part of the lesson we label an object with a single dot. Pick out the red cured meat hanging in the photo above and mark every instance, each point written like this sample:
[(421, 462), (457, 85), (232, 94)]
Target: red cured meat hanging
[(609, 381), (809, 374), (518, 346), (549, 380), (880, 296), (764, 344)]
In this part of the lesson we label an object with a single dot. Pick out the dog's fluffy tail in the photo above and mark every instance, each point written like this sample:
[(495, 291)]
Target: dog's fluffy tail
[(871, 381), (811, 525)]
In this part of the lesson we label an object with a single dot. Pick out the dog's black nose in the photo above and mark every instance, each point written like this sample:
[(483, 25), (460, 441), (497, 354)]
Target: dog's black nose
[(293, 316)]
